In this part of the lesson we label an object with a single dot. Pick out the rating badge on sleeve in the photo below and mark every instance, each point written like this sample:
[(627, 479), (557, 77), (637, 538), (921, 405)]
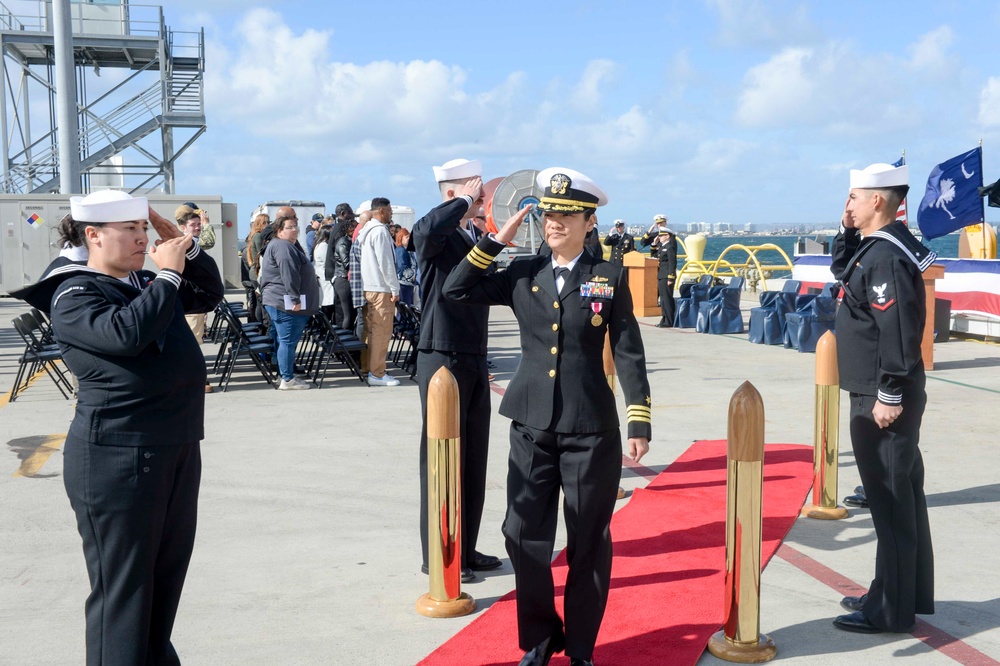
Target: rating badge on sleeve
[(35, 220)]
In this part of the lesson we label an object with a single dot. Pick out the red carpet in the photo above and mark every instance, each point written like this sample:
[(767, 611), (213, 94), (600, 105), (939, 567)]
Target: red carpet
[(667, 579)]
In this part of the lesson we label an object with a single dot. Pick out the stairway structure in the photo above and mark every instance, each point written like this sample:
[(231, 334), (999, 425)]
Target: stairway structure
[(140, 96)]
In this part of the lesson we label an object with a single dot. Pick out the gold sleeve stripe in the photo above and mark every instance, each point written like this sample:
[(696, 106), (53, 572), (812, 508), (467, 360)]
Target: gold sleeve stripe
[(638, 409), (478, 261), (639, 419), (482, 255)]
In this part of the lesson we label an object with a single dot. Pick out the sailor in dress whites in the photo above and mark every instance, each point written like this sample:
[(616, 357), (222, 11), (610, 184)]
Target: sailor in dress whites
[(880, 325), (565, 429)]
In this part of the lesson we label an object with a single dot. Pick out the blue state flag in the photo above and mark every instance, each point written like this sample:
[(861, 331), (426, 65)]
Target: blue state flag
[(952, 199)]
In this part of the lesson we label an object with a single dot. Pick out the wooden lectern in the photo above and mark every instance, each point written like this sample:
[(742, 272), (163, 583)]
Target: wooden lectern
[(642, 283), (935, 272)]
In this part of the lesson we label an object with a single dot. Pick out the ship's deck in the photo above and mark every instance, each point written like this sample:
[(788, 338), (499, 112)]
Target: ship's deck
[(307, 548)]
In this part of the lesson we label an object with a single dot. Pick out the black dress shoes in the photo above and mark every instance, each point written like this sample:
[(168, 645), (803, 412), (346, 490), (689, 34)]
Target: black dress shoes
[(542, 653), (858, 499), (580, 662), (480, 562), (853, 603), (857, 623), (467, 575)]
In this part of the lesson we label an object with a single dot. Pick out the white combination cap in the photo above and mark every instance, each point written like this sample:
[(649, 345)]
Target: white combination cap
[(620, 222), (363, 207), (457, 170), (568, 191), (660, 218), (109, 206), (880, 175)]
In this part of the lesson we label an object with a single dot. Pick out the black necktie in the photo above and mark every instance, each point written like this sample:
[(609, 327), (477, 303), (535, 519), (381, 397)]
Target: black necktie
[(561, 272)]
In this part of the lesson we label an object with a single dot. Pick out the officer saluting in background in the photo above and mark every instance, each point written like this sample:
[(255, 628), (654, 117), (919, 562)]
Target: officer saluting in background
[(880, 325), (564, 430)]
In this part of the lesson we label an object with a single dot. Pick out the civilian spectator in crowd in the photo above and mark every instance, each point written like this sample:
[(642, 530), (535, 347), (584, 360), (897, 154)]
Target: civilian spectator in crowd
[(206, 239), (256, 237), (314, 225), (364, 213), (344, 213), (320, 254), (290, 293), (336, 270), (381, 289), (189, 221), (405, 265)]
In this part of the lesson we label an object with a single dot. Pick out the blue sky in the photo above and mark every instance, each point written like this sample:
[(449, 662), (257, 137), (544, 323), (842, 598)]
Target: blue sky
[(707, 110)]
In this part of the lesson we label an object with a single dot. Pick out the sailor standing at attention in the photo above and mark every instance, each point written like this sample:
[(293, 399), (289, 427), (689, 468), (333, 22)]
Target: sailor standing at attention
[(880, 326), (565, 430)]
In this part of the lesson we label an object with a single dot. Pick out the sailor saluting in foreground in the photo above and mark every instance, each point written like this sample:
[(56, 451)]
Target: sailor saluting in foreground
[(564, 430), (880, 325), (132, 466)]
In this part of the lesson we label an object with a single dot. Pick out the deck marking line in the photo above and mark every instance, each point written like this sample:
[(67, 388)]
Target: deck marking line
[(5, 398), (971, 386), (927, 633), (34, 463)]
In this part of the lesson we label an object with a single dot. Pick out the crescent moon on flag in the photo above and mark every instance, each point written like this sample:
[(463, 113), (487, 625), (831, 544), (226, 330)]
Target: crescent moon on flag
[(966, 173)]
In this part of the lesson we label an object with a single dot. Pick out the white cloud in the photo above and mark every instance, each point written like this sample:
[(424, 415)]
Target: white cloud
[(755, 23), (587, 95), (989, 103), (930, 52)]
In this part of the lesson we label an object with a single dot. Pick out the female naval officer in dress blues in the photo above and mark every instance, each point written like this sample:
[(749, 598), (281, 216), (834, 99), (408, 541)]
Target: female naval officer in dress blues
[(564, 431), (132, 465)]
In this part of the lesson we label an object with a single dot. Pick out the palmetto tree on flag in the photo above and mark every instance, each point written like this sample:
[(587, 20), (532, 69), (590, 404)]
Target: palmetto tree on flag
[(947, 195)]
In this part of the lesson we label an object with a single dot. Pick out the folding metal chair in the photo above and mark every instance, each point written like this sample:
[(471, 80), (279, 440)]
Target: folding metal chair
[(37, 355)]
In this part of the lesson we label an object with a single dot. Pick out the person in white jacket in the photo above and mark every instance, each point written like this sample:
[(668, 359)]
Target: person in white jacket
[(381, 289)]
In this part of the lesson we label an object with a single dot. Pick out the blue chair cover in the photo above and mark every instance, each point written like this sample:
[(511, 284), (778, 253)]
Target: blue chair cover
[(686, 315), (721, 313), (805, 326)]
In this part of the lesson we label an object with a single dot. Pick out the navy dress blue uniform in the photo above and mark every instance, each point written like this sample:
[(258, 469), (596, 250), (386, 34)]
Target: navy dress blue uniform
[(564, 430), (880, 326), (132, 462), (453, 336), (666, 274), (621, 244)]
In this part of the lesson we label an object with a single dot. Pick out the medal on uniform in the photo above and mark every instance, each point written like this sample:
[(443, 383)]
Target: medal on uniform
[(596, 320)]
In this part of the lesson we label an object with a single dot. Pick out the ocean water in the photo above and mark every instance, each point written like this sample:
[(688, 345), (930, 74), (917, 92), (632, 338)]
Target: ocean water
[(945, 246)]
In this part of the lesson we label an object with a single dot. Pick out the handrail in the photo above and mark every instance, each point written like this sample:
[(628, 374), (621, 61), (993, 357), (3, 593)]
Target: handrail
[(722, 268)]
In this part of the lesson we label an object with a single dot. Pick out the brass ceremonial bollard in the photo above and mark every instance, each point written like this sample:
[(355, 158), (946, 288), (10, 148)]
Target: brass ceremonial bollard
[(740, 639), (824, 501), (609, 372), (444, 502)]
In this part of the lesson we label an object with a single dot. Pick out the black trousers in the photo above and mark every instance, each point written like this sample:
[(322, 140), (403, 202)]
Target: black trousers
[(587, 467), (666, 289), (136, 510), (892, 472), (343, 304), (474, 397)]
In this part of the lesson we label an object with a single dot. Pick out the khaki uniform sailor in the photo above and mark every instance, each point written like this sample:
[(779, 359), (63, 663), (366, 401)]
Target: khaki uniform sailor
[(564, 431)]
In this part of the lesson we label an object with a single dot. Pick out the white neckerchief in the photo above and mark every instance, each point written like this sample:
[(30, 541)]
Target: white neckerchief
[(561, 281)]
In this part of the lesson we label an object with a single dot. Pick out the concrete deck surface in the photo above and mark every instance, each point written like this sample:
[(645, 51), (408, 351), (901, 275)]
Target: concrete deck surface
[(307, 548)]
